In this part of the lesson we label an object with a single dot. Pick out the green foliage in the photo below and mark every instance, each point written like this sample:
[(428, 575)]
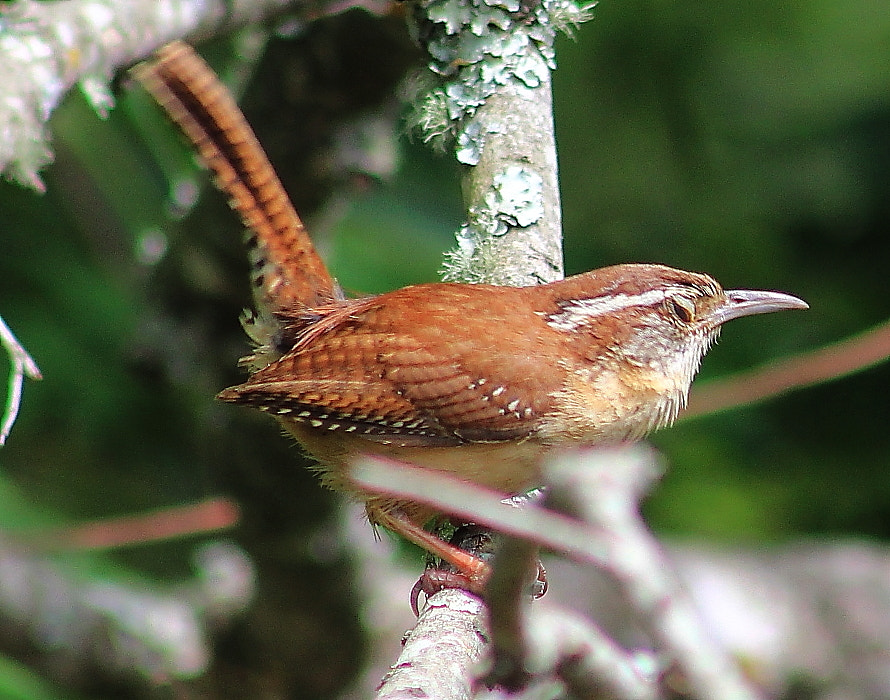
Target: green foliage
[(17, 682)]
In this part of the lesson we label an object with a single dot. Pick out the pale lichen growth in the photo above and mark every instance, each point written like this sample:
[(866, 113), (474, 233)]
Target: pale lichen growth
[(477, 47), (24, 141), (516, 196), (97, 91), (487, 97), (472, 261), (40, 58), (514, 199)]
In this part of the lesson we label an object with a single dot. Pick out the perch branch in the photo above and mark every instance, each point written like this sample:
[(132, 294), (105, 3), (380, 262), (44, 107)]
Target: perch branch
[(449, 636)]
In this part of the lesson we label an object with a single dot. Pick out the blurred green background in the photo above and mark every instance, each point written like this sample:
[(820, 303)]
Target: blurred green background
[(749, 141)]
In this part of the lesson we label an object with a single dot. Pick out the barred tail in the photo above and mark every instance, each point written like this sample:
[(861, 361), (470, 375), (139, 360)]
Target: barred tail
[(287, 270)]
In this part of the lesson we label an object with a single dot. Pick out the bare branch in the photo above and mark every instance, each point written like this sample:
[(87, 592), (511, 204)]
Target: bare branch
[(190, 519), (570, 654), (605, 486), (823, 364), (450, 495), (507, 598), (21, 365)]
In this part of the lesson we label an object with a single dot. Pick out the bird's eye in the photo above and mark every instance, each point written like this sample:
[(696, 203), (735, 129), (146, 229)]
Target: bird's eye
[(683, 308)]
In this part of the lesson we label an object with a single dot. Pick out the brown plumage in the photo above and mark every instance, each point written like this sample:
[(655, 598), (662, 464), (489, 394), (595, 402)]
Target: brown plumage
[(478, 381), (483, 381), (195, 99)]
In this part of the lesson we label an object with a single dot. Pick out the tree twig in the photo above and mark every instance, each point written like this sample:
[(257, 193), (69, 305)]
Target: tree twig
[(569, 654), (806, 369), (483, 506), (21, 365), (190, 519), (46, 48)]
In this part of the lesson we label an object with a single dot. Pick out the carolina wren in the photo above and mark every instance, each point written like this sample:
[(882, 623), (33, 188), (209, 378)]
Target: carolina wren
[(479, 381)]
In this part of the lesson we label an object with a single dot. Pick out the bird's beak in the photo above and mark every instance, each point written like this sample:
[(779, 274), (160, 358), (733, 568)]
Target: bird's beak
[(747, 302)]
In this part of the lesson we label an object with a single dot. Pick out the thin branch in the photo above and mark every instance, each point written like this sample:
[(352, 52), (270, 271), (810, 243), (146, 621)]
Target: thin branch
[(203, 517), (533, 645), (570, 655), (46, 48), (450, 495), (21, 365), (449, 636), (539, 645), (605, 486), (507, 598), (830, 362)]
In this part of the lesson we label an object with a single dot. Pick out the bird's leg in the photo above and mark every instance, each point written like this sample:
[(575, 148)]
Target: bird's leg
[(474, 569), (464, 558), (468, 572)]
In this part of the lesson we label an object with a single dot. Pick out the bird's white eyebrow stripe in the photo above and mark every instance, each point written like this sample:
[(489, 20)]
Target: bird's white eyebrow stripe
[(577, 312)]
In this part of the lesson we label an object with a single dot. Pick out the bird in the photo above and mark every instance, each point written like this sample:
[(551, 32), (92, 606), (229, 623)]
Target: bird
[(478, 381)]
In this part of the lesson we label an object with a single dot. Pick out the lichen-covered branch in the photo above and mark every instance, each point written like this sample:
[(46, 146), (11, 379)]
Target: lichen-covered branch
[(447, 641), (46, 48), (490, 101), (492, 104)]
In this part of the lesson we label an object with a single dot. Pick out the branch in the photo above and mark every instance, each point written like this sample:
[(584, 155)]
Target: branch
[(534, 645), (46, 48), (823, 364), (604, 486), (21, 365), (449, 636), (572, 653), (447, 494), (171, 522), (492, 103), (98, 628)]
